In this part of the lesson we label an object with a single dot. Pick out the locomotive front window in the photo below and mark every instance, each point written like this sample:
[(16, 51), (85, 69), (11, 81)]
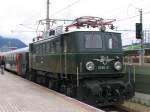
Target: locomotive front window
[(93, 41), (112, 42)]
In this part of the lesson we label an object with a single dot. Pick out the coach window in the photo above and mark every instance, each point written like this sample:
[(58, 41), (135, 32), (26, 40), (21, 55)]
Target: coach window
[(14, 57), (11, 57)]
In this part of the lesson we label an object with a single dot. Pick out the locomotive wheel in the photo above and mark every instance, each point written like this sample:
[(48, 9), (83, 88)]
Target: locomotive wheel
[(81, 95), (38, 80), (85, 95), (63, 89), (70, 91), (43, 80), (30, 77), (50, 84)]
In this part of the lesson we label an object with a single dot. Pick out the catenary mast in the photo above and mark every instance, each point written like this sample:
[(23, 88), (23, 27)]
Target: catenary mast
[(47, 18)]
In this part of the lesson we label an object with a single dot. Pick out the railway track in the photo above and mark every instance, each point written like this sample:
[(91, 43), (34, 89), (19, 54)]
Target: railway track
[(116, 109)]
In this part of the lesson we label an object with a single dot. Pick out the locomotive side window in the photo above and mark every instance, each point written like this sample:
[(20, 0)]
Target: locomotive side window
[(57, 46), (47, 47), (93, 41), (40, 49), (115, 42), (31, 48), (37, 49), (52, 47), (43, 49)]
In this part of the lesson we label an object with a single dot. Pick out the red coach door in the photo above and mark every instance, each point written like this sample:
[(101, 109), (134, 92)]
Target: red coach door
[(18, 57)]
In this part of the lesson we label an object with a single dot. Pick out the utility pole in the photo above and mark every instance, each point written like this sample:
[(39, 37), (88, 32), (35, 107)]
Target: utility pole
[(47, 18), (142, 40)]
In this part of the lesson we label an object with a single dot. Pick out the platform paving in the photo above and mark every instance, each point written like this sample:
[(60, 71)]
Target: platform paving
[(20, 95), (142, 98)]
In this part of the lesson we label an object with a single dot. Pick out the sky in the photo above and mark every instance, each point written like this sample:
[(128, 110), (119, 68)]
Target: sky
[(19, 18)]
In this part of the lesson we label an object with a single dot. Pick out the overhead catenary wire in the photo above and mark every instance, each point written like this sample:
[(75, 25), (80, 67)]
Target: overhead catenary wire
[(131, 17), (68, 6)]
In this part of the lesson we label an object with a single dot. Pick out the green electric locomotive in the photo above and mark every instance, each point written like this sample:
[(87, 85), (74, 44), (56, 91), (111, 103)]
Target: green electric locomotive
[(87, 65)]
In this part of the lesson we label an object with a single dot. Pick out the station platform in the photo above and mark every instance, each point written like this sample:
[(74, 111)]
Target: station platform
[(142, 98), (20, 95)]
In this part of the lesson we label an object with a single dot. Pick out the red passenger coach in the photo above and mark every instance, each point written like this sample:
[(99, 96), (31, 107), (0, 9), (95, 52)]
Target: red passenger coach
[(17, 61)]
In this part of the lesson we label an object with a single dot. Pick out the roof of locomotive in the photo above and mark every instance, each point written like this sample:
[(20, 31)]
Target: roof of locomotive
[(69, 32), (21, 50)]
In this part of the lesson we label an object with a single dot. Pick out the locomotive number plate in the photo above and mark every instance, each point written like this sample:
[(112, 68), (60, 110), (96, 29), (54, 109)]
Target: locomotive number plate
[(103, 67)]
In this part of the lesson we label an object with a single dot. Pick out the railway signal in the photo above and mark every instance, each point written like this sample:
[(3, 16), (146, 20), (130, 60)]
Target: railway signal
[(138, 30)]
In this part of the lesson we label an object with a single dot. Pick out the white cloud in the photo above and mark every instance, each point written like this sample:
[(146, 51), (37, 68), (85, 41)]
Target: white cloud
[(15, 12)]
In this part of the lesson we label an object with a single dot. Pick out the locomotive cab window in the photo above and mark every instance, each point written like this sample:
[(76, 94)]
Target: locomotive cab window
[(93, 41), (112, 42)]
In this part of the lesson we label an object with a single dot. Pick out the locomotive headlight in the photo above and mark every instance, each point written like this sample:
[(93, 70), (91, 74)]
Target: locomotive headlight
[(90, 66), (118, 65)]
